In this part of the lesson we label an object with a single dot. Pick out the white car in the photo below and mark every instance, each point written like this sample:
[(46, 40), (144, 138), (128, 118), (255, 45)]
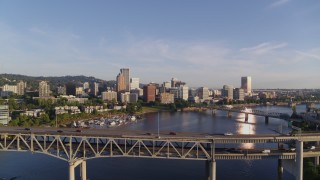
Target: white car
[(266, 151), (228, 134)]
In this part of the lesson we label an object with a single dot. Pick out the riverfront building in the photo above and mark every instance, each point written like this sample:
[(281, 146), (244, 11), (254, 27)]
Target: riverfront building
[(227, 92), (109, 96), (166, 98), (203, 93), (238, 94), (149, 93), (183, 93)]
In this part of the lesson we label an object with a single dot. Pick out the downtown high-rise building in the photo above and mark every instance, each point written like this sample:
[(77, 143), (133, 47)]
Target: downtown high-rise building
[(21, 88), (126, 74), (203, 93), (94, 88), (134, 83), (149, 93), (44, 89), (246, 84), (227, 92), (121, 86)]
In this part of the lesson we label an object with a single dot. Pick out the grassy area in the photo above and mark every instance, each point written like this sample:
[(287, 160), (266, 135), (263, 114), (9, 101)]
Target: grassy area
[(147, 109)]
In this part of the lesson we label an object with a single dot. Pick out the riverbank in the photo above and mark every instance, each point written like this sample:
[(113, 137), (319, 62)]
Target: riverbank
[(113, 119)]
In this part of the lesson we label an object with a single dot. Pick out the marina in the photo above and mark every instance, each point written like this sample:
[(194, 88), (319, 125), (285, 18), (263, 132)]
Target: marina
[(108, 122)]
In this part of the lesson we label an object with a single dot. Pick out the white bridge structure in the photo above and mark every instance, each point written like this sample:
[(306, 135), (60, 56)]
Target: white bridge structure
[(76, 147)]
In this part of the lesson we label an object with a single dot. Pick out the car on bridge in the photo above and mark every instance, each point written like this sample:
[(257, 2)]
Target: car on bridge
[(266, 151)]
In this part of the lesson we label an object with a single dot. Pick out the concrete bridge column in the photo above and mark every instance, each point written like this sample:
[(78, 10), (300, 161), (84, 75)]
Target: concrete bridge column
[(83, 170), (211, 170), (213, 112), (73, 165), (229, 114), (280, 169), (266, 120), (316, 159), (246, 117), (71, 171), (299, 160)]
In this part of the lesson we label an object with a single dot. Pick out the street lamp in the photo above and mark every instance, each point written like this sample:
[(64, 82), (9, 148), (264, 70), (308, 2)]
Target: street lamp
[(158, 127), (56, 118)]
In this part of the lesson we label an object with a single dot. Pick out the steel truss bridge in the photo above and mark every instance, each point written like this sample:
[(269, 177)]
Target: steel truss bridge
[(255, 112), (75, 148)]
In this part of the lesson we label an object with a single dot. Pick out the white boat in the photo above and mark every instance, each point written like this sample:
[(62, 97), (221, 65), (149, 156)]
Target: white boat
[(113, 123), (133, 118)]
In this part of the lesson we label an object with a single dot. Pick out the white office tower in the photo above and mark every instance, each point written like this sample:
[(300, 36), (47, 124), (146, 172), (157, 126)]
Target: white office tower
[(183, 92), (203, 93), (134, 83), (167, 84), (246, 85)]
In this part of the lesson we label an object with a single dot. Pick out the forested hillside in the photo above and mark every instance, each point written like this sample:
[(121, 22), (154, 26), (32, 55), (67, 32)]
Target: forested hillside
[(33, 82)]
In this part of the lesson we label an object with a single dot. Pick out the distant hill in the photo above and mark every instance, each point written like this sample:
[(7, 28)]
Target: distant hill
[(33, 82)]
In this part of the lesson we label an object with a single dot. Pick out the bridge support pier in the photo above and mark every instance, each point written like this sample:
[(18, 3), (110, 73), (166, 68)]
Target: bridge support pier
[(280, 169), (299, 160), (266, 120), (229, 114), (73, 165), (211, 170), (213, 112), (246, 117)]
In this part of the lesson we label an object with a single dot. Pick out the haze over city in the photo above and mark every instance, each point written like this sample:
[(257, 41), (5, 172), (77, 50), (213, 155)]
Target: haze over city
[(204, 43)]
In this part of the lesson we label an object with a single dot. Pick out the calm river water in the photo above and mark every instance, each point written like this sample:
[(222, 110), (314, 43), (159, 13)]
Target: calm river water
[(28, 166)]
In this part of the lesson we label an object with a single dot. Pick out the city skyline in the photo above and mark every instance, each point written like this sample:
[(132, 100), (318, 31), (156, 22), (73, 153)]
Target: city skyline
[(202, 43)]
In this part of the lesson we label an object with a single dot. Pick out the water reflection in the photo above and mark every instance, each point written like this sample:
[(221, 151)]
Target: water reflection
[(246, 128)]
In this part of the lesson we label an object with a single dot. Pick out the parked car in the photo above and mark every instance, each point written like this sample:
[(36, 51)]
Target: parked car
[(59, 131), (173, 133)]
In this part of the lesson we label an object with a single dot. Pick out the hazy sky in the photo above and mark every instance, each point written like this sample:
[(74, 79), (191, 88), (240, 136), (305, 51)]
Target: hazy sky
[(204, 43)]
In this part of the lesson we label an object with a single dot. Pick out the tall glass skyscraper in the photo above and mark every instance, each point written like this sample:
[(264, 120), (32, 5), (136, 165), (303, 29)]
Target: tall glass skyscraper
[(123, 80), (126, 74), (246, 84)]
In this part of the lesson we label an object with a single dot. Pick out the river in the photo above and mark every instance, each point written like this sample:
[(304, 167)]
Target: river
[(28, 166)]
